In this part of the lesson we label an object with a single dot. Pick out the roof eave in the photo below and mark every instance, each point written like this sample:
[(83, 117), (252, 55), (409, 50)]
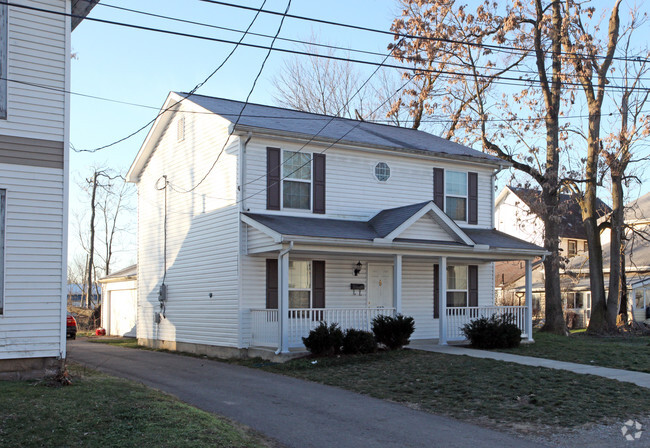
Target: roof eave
[(81, 9), (244, 129)]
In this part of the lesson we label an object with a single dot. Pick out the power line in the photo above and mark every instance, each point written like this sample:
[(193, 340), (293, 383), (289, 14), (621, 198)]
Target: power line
[(517, 81), (197, 87), (500, 48), (259, 73)]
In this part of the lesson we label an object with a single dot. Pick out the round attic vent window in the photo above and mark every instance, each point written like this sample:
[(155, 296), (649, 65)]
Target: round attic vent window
[(382, 171)]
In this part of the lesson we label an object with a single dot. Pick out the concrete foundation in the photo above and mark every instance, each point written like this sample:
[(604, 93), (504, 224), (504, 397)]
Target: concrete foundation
[(214, 351), (29, 368)]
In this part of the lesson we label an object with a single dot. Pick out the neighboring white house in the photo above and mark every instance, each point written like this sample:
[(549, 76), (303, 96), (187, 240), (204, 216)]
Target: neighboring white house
[(248, 241), (34, 136), (119, 302)]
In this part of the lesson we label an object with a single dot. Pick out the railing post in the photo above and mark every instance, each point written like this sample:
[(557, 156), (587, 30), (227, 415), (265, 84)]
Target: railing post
[(442, 322), (397, 284), (283, 309), (529, 300)]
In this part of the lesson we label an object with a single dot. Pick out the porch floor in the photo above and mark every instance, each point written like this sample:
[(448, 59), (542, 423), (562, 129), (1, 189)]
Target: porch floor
[(638, 378)]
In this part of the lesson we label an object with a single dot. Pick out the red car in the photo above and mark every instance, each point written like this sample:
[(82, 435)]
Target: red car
[(71, 327)]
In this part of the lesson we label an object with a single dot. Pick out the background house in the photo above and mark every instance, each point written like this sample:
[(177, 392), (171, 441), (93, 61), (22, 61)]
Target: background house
[(249, 235), (119, 302), (34, 139)]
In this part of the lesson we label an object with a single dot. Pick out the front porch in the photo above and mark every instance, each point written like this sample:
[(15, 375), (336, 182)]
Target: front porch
[(411, 260), (265, 325)]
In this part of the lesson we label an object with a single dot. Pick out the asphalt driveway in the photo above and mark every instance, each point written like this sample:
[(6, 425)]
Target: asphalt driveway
[(294, 412)]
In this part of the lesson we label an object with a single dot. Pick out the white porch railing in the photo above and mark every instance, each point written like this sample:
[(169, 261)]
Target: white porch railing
[(458, 317), (300, 321)]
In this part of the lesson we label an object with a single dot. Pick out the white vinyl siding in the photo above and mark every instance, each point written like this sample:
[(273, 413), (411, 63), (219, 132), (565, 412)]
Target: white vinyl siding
[(426, 228), (30, 325), (352, 190), (4, 37), (36, 55), (3, 209), (202, 236), (417, 287)]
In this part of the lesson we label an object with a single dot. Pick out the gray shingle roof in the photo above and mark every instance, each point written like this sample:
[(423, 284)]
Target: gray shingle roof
[(379, 226), (333, 128)]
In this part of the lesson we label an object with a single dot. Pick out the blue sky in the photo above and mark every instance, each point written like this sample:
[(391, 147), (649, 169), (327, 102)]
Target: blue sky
[(142, 67)]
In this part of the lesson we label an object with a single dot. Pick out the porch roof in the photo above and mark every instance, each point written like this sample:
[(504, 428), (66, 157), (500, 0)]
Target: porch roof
[(386, 223)]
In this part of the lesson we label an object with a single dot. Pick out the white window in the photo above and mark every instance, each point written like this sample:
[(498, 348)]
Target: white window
[(639, 296), (456, 195), (3, 212), (4, 39), (299, 284), (180, 129), (296, 184), (456, 286), (573, 248), (382, 172)]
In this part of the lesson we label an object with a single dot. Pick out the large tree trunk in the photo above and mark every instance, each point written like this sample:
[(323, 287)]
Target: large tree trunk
[(91, 248), (616, 264), (554, 317)]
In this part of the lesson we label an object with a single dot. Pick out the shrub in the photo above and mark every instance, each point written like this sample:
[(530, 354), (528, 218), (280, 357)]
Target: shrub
[(393, 332), (493, 332), (324, 340), (359, 342)]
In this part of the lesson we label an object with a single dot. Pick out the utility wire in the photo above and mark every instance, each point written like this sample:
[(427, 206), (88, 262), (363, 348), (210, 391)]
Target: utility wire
[(492, 47), (252, 89), (197, 87), (315, 44), (518, 80)]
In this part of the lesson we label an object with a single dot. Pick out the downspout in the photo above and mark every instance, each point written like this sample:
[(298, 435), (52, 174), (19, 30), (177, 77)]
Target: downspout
[(242, 172), (281, 311)]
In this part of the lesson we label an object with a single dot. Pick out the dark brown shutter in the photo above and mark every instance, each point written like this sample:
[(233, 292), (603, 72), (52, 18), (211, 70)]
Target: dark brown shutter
[(319, 183), (472, 274), (472, 194), (318, 288), (436, 291), (271, 284), (273, 165), (439, 188)]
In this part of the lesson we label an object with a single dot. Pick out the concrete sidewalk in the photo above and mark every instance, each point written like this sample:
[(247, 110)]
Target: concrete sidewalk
[(628, 376), (294, 412)]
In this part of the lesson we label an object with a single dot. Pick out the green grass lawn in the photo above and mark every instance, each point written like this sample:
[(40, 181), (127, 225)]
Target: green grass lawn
[(103, 411), (478, 390), (619, 352)]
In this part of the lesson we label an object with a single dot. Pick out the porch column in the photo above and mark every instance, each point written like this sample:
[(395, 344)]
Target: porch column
[(529, 300), (283, 301), (442, 301), (397, 284)]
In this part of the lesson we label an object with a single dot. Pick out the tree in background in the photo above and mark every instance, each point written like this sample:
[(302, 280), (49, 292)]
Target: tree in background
[(461, 50), (108, 196)]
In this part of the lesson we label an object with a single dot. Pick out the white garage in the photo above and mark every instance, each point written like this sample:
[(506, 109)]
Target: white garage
[(120, 302)]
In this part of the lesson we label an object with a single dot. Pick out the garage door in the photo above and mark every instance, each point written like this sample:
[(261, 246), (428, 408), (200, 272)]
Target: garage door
[(123, 312)]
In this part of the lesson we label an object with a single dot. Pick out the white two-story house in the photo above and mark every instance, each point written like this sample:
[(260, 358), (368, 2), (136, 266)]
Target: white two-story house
[(256, 224), (34, 135)]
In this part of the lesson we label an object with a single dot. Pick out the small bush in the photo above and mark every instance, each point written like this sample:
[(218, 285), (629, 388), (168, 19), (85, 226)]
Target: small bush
[(393, 332), (324, 340), (493, 332), (359, 342)]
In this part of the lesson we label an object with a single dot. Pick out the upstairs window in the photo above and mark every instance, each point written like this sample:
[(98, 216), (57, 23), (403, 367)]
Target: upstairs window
[(456, 195), (296, 183), (382, 171), (3, 63)]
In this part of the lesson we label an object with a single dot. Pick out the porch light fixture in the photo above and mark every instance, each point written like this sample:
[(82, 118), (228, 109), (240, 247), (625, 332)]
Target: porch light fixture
[(357, 269)]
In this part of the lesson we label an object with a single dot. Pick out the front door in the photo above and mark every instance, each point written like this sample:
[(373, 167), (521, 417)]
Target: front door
[(380, 286)]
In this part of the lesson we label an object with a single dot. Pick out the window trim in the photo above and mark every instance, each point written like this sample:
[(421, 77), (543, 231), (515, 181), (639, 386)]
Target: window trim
[(374, 172), (466, 290), (466, 197), (284, 179), (568, 248), (311, 282)]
